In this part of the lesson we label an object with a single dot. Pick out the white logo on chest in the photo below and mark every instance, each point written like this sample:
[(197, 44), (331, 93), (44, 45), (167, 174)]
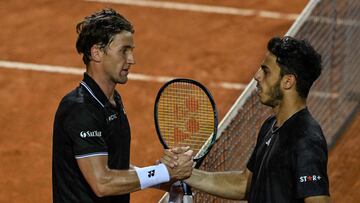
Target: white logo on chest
[(112, 117), (268, 142), (85, 134)]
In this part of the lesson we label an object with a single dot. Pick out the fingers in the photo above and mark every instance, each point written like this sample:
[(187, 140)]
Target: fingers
[(184, 168), (169, 158), (182, 158), (189, 153), (170, 153), (180, 150), (179, 161), (168, 162)]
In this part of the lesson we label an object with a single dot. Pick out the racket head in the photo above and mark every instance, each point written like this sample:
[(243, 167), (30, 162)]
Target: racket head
[(185, 114)]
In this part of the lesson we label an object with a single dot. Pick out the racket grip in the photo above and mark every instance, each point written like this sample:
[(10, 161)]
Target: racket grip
[(187, 198), (186, 189)]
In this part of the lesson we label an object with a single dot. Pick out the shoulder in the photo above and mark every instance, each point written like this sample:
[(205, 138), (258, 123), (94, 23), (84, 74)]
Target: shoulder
[(309, 137), (309, 129), (77, 96), (302, 132), (303, 126), (77, 103)]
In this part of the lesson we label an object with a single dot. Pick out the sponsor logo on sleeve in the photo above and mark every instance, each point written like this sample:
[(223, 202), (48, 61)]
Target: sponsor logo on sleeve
[(309, 178), (85, 134)]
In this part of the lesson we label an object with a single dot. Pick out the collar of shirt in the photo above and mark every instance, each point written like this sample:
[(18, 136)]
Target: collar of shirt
[(96, 91), (293, 120)]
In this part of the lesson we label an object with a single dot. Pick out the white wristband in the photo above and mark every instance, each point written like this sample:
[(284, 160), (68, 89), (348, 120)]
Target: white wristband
[(152, 175)]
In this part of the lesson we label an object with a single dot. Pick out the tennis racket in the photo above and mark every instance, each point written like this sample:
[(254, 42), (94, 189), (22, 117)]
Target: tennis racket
[(185, 115)]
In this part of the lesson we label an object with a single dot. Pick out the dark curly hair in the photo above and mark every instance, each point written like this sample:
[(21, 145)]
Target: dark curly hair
[(99, 28), (299, 58)]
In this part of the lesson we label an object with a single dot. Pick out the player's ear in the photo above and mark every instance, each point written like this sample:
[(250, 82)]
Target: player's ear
[(96, 53), (289, 81)]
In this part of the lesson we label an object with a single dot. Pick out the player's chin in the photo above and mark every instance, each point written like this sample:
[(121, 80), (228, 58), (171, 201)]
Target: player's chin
[(122, 80), (260, 96), (264, 100)]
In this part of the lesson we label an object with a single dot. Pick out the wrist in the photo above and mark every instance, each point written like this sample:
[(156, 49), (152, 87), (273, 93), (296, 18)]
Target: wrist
[(152, 175)]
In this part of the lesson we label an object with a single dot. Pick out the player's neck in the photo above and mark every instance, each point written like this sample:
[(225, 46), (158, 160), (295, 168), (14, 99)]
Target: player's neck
[(287, 108), (105, 85)]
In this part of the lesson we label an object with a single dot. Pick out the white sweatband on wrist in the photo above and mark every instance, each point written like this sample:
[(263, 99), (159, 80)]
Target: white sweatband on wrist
[(152, 175)]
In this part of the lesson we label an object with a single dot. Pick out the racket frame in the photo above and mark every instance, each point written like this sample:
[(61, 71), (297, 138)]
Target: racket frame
[(210, 142)]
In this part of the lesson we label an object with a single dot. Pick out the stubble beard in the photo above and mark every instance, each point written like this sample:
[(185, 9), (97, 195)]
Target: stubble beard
[(275, 96)]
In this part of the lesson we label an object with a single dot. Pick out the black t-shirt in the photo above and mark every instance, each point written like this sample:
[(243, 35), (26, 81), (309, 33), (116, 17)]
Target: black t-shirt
[(86, 125), (289, 163)]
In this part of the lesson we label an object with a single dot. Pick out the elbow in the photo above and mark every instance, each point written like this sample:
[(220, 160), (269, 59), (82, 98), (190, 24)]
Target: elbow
[(107, 186), (99, 193), (100, 187), (241, 196), (100, 190)]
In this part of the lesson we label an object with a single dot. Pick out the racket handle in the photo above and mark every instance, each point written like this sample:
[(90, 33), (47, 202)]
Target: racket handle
[(187, 198)]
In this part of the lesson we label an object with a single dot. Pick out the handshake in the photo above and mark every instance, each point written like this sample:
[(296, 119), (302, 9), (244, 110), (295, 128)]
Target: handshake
[(179, 162)]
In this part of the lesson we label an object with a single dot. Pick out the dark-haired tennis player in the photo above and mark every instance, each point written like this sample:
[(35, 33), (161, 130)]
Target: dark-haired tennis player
[(91, 140), (289, 162)]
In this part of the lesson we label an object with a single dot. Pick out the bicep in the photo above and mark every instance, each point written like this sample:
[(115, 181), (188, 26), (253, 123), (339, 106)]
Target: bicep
[(317, 199), (93, 169)]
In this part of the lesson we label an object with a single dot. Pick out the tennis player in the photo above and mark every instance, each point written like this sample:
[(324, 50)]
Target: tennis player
[(289, 162), (91, 139)]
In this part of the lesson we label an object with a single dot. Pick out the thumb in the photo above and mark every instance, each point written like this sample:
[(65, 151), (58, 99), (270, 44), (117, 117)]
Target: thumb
[(179, 150), (189, 153)]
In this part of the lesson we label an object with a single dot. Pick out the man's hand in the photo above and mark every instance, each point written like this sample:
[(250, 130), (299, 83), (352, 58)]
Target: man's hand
[(179, 162), (170, 157)]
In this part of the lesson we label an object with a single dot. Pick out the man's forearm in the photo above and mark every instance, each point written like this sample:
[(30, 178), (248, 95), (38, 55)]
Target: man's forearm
[(117, 182), (105, 181), (229, 185)]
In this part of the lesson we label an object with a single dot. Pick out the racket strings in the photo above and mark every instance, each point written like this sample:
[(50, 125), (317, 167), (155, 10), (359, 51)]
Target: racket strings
[(185, 115)]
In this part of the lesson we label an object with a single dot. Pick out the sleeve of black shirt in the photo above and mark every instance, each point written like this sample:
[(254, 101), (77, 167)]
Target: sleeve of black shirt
[(85, 131), (310, 162)]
